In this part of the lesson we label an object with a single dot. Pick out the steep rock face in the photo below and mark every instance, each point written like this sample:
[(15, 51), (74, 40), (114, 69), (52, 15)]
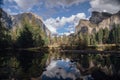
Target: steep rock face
[(98, 21), (13, 21), (109, 22), (85, 26), (97, 17), (31, 18), (5, 19)]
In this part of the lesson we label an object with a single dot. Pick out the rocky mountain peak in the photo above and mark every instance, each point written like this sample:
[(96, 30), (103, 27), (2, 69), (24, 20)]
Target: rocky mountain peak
[(97, 17), (5, 19), (32, 19), (13, 21), (118, 13), (97, 21)]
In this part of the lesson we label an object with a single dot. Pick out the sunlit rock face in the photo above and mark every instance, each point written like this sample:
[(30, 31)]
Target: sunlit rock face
[(13, 21), (30, 18), (61, 70), (85, 26), (109, 22), (97, 21)]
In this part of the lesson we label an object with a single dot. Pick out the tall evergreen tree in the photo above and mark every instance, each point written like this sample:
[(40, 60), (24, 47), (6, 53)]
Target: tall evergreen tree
[(87, 39), (118, 30), (114, 36), (37, 36), (111, 37), (93, 39), (105, 35), (25, 39), (99, 36)]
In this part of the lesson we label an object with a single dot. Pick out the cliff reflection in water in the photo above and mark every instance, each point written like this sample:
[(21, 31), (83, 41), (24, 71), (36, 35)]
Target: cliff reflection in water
[(24, 65)]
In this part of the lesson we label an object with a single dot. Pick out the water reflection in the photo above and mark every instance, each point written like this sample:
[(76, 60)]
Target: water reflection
[(61, 70), (21, 64), (24, 65)]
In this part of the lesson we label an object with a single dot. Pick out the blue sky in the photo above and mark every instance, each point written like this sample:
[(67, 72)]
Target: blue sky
[(61, 16)]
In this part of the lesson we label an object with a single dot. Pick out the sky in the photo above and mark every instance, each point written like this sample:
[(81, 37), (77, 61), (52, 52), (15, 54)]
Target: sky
[(61, 16)]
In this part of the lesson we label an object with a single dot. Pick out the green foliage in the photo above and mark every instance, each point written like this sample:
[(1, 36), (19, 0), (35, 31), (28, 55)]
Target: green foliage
[(30, 35), (14, 66), (93, 40), (111, 38), (114, 36), (25, 39), (115, 61), (99, 36), (5, 38), (38, 39), (22, 64), (105, 35), (86, 39), (15, 33), (46, 40), (85, 61)]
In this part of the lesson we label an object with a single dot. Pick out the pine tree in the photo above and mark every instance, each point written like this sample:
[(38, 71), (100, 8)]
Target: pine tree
[(118, 33), (99, 36), (93, 39), (25, 39), (112, 36), (38, 36), (105, 35), (86, 39)]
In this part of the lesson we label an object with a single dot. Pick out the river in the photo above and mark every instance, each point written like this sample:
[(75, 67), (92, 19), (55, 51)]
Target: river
[(40, 65)]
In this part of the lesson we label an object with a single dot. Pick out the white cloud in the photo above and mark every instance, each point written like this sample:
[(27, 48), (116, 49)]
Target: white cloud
[(111, 6), (66, 33), (63, 3), (26, 4), (54, 24), (70, 28)]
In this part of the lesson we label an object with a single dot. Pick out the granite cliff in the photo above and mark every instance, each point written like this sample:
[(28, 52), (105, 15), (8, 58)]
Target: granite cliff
[(13, 21), (97, 21)]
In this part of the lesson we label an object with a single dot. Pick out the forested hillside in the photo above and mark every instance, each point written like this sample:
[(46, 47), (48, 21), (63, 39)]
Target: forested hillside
[(22, 31)]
